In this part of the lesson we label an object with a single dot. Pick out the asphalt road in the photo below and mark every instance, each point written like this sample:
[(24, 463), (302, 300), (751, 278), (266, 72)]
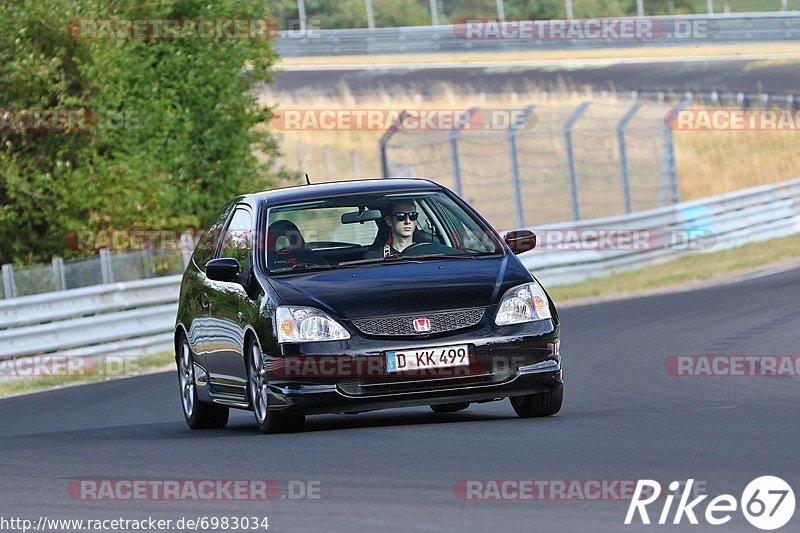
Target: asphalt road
[(725, 76), (624, 418)]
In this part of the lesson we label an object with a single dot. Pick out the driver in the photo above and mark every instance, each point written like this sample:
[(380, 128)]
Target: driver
[(401, 218)]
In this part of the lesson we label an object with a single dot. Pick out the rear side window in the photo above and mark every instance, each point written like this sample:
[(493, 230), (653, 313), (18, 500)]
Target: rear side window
[(207, 244)]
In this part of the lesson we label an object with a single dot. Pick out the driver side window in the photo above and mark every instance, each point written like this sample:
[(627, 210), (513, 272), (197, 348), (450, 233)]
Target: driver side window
[(236, 243)]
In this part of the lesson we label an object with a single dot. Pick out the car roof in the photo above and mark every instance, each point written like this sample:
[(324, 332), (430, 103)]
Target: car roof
[(322, 191)]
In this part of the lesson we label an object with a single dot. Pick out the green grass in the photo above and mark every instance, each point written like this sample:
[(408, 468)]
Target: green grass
[(139, 366), (690, 268)]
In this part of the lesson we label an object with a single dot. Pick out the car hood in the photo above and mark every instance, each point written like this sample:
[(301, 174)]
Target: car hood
[(403, 288)]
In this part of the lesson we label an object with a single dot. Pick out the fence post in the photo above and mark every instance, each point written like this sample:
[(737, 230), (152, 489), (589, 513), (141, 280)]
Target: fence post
[(105, 266), (384, 140), (147, 260), (573, 180), (356, 165), (8, 281), (640, 8), (568, 7), (512, 143), (457, 127), (301, 156), (623, 155), (710, 6), (326, 154), (501, 10), (187, 247), (434, 13), (370, 17), (669, 167), (58, 274)]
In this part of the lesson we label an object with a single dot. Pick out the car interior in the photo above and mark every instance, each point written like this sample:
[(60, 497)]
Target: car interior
[(287, 247)]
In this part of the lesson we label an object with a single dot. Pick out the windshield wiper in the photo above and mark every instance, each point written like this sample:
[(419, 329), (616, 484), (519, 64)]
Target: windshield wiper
[(306, 267), (405, 259), (387, 259)]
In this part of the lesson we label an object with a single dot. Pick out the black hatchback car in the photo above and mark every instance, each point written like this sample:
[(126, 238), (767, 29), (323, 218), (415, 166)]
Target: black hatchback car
[(361, 295)]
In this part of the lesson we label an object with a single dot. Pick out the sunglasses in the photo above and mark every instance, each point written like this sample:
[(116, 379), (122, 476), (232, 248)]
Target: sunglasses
[(401, 217)]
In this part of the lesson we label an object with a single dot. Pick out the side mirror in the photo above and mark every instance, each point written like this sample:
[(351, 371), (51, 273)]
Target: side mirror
[(520, 241), (223, 269)]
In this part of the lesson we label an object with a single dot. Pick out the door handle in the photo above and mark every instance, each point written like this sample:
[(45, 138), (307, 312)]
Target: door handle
[(240, 317), (204, 301)]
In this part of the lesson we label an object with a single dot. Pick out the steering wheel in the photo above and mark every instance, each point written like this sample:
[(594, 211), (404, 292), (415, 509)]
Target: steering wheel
[(415, 246)]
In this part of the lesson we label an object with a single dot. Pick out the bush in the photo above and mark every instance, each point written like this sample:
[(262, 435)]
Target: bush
[(186, 108)]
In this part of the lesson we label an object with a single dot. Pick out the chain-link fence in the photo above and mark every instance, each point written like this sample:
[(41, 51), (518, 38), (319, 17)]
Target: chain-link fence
[(550, 164), (107, 267), (328, 163)]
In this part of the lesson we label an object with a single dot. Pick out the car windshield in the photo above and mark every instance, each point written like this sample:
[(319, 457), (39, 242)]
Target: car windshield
[(373, 229)]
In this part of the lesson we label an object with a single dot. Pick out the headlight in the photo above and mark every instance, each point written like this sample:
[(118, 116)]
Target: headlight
[(306, 324), (524, 303)]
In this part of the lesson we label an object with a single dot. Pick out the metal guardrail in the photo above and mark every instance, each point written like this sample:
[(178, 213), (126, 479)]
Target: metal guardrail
[(738, 28), (135, 318), (130, 318), (700, 226)]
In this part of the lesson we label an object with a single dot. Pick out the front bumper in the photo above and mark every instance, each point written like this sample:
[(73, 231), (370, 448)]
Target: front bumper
[(523, 360), (320, 399)]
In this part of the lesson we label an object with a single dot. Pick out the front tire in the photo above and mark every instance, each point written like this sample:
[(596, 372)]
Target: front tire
[(538, 405), (258, 395), (198, 415)]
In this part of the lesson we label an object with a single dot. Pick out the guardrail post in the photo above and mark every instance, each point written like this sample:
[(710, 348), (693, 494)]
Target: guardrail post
[(512, 144), (9, 288), (573, 180), (58, 274), (623, 155), (384, 140), (454, 149), (105, 266)]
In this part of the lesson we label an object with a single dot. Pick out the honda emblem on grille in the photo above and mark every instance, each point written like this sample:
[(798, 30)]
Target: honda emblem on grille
[(421, 325)]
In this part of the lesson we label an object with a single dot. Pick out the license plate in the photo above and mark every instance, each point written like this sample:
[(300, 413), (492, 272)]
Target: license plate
[(426, 358)]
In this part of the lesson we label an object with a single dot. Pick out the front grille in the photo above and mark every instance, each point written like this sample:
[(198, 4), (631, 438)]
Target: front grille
[(404, 325), (356, 388)]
